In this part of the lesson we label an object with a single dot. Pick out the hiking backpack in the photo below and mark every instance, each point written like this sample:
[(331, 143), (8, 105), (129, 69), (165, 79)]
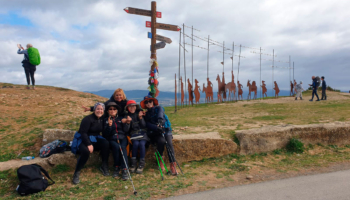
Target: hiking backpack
[(31, 180), (167, 122), (318, 81), (34, 56), (57, 146)]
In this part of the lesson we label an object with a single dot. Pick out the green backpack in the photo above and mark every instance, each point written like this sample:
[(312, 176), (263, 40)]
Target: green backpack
[(34, 56)]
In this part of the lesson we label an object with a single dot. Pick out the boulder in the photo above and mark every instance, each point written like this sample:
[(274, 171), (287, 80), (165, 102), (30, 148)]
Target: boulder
[(276, 137)]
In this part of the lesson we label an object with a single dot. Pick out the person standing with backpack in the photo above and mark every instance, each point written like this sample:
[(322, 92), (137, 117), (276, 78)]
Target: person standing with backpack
[(315, 84), (30, 61), (324, 88), (158, 124)]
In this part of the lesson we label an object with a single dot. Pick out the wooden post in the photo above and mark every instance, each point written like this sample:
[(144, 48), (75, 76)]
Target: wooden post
[(175, 94), (153, 29)]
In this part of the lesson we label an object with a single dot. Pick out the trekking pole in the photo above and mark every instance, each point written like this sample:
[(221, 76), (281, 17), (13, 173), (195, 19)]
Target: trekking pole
[(166, 169), (171, 152), (161, 173), (120, 147)]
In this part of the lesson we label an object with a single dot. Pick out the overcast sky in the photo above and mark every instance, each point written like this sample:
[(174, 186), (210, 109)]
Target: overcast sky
[(90, 45)]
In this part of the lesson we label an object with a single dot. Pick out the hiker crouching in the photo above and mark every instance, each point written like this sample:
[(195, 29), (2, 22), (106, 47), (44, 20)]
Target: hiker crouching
[(115, 132), (88, 140), (138, 135), (159, 131)]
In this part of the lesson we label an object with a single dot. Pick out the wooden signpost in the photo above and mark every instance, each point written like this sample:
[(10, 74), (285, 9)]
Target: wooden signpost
[(154, 26), (154, 37)]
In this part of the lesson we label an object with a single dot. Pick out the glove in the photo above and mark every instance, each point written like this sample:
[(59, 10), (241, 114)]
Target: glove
[(160, 122), (160, 130)]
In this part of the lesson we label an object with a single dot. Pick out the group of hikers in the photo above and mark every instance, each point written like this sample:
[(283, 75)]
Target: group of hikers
[(123, 122), (316, 82)]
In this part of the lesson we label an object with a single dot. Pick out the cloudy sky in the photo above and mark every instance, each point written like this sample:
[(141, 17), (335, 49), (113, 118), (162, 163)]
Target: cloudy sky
[(90, 45)]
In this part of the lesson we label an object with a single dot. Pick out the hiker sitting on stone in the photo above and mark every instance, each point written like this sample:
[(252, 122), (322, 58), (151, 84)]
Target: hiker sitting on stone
[(314, 88), (155, 122), (29, 69), (115, 129), (118, 97), (299, 88), (138, 133), (88, 140)]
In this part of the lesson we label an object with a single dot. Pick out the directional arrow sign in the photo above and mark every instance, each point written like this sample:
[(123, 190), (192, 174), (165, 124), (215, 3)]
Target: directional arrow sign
[(160, 45), (168, 27), (163, 39), (143, 12)]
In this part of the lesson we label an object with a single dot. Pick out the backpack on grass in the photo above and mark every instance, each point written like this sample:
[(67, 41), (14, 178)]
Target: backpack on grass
[(31, 180), (57, 146), (34, 56)]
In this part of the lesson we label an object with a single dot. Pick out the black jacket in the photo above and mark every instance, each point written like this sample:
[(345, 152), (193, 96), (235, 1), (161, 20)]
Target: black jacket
[(110, 132), (90, 125), (137, 125), (324, 85)]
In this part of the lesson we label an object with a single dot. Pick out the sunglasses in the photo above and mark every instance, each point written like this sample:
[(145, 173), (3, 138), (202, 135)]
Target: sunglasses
[(112, 109), (150, 101)]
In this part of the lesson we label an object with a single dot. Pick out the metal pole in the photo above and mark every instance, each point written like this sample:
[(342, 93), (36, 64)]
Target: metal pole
[(208, 58), (233, 52), (153, 29), (184, 62), (223, 56), (289, 69), (239, 60), (192, 58), (273, 65), (260, 75), (179, 98), (293, 71)]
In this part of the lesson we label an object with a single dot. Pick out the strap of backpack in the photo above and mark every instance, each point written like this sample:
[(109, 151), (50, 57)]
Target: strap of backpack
[(45, 172)]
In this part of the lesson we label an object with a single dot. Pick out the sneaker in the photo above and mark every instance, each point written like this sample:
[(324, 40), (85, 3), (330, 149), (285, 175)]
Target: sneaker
[(116, 172), (28, 88), (141, 166), (317, 100), (76, 178), (33, 87), (104, 169), (173, 168), (132, 168), (125, 175), (311, 100)]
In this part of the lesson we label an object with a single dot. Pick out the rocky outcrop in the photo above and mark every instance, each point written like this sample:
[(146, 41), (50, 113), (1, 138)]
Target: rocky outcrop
[(276, 137)]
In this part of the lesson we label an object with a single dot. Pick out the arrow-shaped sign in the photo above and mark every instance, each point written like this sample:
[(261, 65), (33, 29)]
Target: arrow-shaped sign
[(168, 27), (160, 38), (159, 45), (143, 12)]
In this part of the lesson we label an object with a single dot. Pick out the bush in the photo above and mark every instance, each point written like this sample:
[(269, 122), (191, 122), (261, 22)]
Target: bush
[(295, 146)]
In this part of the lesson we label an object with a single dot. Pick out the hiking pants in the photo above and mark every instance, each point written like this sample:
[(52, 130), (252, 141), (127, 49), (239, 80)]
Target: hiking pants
[(30, 74), (299, 94), (139, 144), (324, 96), (314, 92), (117, 155), (101, 145), (158, 139)]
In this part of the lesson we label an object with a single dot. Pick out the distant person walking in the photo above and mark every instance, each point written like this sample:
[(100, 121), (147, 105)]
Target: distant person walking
[(314, 88), (29, 68), (324, 88), (299, 89)]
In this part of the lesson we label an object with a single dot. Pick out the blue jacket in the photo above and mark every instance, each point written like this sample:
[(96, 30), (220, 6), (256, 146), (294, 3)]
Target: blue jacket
[(77, 140)]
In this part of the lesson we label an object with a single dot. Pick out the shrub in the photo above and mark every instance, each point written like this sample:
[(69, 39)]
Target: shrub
[(295, 146)]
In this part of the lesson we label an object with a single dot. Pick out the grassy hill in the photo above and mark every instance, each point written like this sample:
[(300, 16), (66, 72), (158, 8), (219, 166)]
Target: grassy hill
[(26, 113)]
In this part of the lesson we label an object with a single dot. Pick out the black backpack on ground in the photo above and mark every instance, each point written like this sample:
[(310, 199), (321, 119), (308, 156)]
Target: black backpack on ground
[(31, 179)]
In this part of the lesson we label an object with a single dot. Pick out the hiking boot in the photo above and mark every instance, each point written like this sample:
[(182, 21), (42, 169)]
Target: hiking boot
[(125, 175), (132, 168), (28, 88), (317, 100), (296, 98), (301, 98), (141, 166), (76, 177), (311, 100), (173, 168), (33, 87), (116, 172), (104, 169)]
